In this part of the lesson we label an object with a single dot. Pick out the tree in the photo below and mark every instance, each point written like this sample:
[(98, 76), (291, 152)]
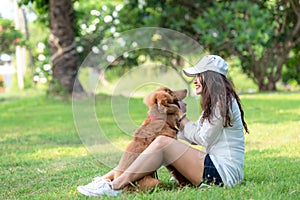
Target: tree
[(262, 34), (62, 45), (94, 21), (64, 57), (291, 73)]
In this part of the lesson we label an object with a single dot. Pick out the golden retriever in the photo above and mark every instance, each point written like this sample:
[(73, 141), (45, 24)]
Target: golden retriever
[(162, 120)]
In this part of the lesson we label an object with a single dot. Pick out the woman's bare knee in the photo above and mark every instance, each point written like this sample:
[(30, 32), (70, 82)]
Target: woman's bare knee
[(162, 141)]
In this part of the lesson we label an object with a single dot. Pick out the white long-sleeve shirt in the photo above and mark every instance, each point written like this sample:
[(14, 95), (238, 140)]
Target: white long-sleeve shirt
[(225, 145)]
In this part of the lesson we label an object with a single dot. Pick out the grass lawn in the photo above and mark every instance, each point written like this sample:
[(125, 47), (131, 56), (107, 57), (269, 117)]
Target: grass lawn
[(42, 156)]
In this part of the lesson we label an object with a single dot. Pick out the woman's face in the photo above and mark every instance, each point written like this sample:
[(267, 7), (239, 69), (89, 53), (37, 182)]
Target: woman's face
[(198, 83)]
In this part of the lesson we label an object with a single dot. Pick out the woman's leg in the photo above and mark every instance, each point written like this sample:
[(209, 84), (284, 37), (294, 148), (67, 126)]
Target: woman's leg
[(109, 175), (164, 151)]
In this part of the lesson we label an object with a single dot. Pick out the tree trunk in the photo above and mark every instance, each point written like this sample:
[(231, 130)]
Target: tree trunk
[(20, 24), (270, 86), (62, 45)]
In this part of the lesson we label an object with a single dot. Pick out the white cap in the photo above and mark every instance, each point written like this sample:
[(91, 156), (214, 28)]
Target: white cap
[(208, 63)]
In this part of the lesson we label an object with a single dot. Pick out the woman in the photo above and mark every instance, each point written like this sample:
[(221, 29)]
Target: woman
[(220, 129)]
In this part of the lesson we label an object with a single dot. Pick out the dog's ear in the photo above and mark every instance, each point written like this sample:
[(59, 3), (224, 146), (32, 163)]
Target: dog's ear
[(171, 109), (166, 103), (164, 100), (178, 94), (161, 98), (150, 100)]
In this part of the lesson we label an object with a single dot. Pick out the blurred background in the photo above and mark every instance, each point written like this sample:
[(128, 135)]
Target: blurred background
[(44, 42), (48, 143)]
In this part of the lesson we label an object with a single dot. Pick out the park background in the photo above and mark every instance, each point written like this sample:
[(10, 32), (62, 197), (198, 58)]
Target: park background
[(44, 42)]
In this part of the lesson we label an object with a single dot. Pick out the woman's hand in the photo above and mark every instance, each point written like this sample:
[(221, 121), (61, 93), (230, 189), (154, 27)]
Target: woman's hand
[(182, 120)]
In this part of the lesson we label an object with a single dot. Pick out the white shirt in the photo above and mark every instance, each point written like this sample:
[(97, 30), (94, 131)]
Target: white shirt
[(225, 145)]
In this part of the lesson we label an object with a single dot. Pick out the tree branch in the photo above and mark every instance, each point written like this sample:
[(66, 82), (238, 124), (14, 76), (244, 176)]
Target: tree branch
[(297, 13)]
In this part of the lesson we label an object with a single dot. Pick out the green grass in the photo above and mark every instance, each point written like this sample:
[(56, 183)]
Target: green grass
[(42, 156)]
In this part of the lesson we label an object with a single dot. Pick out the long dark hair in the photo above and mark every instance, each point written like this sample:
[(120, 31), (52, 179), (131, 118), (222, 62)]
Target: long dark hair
[(217, 90)]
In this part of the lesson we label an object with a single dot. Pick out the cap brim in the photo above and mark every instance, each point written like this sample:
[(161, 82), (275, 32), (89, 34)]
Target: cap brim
[(190, 71)]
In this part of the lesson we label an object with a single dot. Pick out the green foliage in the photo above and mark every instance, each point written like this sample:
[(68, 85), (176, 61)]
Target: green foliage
[(56, 89), (254, 31), (237, 24), (38, 45), (44, 158), (90, 29), (94, 21), (41, 7), (1, 83), (239, 28), (9, 37), (291, 73), (257, 32)]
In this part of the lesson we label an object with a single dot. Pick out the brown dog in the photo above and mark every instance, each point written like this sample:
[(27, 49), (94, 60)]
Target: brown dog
[(162, 120)]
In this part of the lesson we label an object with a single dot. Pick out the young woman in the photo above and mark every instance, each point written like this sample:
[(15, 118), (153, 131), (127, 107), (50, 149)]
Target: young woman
[(220, 129)]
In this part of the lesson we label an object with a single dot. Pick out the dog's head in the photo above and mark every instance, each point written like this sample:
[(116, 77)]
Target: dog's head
[(165, 99)]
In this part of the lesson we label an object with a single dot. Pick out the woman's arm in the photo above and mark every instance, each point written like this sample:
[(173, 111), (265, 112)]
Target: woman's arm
[(204, 134), (194, 128)]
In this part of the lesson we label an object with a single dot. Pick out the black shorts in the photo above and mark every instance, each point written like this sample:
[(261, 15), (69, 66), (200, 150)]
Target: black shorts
[(210, 174)]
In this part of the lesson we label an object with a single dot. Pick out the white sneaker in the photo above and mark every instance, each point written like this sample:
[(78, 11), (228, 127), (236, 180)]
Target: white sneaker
[(204, 186), (98, 187), (173, 179), (96, 181), (89, 187)]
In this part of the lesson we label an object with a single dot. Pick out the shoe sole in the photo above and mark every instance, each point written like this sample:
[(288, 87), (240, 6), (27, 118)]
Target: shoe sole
[(82, 190)]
